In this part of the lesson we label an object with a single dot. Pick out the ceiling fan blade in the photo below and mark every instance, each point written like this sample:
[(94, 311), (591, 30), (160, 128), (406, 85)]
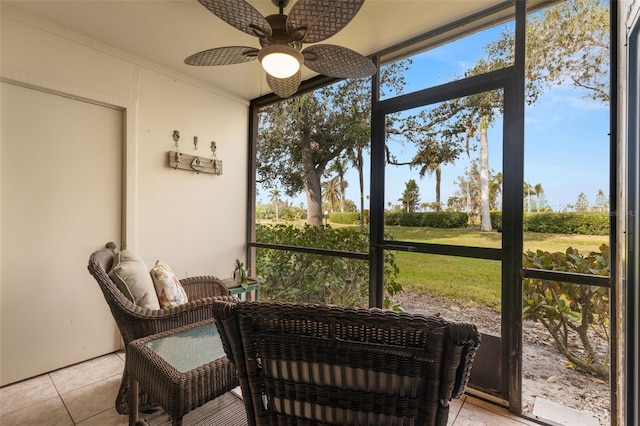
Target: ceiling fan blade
[(241, 15), (285, 87), (337, 61), (223, 56), (311, 21)]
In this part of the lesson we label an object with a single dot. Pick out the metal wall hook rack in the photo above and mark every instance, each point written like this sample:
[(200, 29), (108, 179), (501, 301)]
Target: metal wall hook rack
[(194, 163)]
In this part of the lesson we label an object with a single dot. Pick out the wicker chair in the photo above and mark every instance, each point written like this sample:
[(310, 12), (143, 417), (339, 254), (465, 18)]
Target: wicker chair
[(302, 364), (136, 322)]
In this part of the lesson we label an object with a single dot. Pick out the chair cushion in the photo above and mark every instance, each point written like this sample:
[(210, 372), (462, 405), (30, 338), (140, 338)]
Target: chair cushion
[(131, 276), (168, 288)]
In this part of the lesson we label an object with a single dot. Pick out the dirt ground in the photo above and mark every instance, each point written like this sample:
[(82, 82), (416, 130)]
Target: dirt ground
[(546, 373)]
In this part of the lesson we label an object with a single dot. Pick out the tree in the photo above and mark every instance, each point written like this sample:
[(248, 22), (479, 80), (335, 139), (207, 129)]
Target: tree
[(529, 191), (436, 145), (495, 191), (601, 201), (299, 137), (410, 197), (484, 174), (468, 118), (331, 193), (274, 196), (456, 203), (582, 203), (567, 43), (539, 196), (468, 193), (339, 167)]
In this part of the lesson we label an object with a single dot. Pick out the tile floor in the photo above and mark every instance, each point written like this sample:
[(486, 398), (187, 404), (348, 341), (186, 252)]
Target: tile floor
[(84, 394)]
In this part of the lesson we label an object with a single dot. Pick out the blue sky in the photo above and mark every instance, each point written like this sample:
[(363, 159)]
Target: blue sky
[(566, 141)]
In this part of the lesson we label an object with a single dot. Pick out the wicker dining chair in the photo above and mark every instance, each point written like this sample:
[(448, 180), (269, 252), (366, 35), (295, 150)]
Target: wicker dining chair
[(135, 322), (303, 364)]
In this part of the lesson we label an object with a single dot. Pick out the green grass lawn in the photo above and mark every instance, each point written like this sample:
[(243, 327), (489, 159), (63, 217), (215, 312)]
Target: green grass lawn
[(474, 281), (466, 237), (469, 280)]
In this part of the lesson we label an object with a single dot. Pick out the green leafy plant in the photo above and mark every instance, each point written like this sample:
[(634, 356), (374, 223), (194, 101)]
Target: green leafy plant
[(305, 277), (240, 274), (575, 315)]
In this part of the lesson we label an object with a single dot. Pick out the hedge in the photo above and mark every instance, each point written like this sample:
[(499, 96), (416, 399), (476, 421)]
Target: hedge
[(427, 219), (560, 223), (348, 218)]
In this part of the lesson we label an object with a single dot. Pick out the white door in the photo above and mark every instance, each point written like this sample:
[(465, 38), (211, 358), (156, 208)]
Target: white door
[(61, 199)]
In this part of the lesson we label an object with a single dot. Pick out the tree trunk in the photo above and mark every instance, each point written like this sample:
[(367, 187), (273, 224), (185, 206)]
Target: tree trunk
[(484, 177), (312, 188), (438, 181), (360, 165)]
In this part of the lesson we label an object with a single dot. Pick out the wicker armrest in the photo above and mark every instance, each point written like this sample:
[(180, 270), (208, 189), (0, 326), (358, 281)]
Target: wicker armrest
[(222, 314), (461, 343), (203, 286), (143, 322)]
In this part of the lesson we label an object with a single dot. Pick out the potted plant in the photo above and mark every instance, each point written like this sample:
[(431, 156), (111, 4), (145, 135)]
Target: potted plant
[(240, 274)]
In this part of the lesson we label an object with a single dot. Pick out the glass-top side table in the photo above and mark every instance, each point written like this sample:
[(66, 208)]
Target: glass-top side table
[(250, 292), (180, 369), (188, 349)]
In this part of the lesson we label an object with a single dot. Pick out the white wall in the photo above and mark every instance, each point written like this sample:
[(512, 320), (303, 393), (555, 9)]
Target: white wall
[(196, 223)]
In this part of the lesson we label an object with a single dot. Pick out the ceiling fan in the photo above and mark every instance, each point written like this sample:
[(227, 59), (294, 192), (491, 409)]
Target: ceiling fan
[(282, 36)]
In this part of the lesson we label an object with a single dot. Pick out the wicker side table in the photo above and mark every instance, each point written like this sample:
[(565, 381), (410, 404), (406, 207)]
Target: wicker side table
[(180, 369)]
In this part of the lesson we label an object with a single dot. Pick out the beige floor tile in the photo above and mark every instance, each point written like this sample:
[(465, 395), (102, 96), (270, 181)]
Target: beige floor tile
[(501, 411), (93, 399), (50, 413), (454, 408), (92, 371), (28, 392), (106, 418), (473, 415)]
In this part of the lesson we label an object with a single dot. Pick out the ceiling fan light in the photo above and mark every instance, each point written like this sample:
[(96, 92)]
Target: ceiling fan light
[(280, 61)]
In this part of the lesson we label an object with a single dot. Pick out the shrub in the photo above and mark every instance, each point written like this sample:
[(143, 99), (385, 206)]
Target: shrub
[(346, 218), (445, 219), (560, 223), (568, 310), (391, 218), (567, 223), (427, 219), (496, 219), (292, 276)]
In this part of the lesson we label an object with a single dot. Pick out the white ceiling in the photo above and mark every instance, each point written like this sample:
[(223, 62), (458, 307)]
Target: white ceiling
[(166, 32)]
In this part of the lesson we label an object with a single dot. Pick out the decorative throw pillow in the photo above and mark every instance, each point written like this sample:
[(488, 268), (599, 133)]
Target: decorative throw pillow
[(131, 276), (168, 288)]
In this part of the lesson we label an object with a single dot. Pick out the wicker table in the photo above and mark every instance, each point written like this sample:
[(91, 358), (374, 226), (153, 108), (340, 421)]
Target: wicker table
[(180, 369)]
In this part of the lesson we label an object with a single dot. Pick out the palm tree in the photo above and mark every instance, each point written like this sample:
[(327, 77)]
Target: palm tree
[(331, 192), (539, 195), (358, 161), (274, 196), (339, 167), (528, 191)]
